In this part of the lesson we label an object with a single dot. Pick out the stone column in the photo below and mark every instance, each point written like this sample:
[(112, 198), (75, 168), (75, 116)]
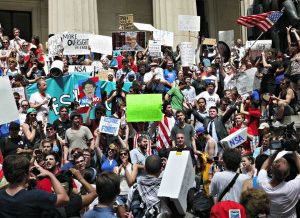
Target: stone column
[(73, 16), (165, 17)]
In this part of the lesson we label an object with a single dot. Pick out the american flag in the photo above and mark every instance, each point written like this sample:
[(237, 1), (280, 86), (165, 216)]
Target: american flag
[(263, 21)]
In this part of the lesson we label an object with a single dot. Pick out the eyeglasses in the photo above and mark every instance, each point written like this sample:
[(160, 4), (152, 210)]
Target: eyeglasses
[(123, 154), (5, 42)]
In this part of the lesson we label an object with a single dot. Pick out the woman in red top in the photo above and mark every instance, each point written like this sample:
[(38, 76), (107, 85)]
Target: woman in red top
[(250, 108), (239, 124)]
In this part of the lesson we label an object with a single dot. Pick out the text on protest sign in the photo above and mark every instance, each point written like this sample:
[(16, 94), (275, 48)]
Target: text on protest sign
[(258, 47), (55, 45), (209, 41), (129, 41), (100, 44), (235, 139), (81, 69), (154, 48), (103, 74), (109, 125), (8, 108), (166, 38), (76, 43), (189, 23), (247, 81), (227, 37), (126, 22), (187, 54)]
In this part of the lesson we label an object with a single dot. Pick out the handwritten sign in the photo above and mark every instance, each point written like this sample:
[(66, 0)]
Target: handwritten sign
[(258, 47), (76, 43), (55, 46), (154, 48), (189, 23), (126, 22), (177, 179), (109, 125), (247, 81), (187, 54), (235, 139), (81, 69), (166, 38), (103, 74), (209, 41)]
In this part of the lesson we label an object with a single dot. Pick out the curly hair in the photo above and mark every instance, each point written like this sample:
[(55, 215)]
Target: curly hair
[(232, 159)]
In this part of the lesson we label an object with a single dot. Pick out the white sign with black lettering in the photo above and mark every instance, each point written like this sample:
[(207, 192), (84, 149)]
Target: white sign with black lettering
[(55, 46), (166, 38), (259, 44), (187, 54), (76, 43), (81, 69), (109, 125), (189, 23), (154, 48)]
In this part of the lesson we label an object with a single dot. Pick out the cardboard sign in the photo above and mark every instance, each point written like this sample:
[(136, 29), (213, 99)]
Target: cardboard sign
[(143, 107), (189, 23), (76, 43), (235, 139), (144, 27), (101, 44), (126, 22), (8, 107), (209, 41), (154, 48), (109, 125), (129, 41), (166, 38), (55, 46), (103, 74), (89, 70), (187, 54), (247, 81), (177, 179), (227, 37)]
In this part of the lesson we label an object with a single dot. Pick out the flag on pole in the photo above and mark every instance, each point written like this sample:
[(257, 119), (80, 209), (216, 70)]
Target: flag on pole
[(263, 21)]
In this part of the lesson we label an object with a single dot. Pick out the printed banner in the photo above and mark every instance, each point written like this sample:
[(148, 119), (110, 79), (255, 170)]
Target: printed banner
[(109, 125), (88, 93), (187, 54), (101, 44), (166, 38), (235, 139), (8, 107), (76, 43), (126, 22), (129, 41), (154, 48), (55, 46), (86, 70), (188, 23), (143, 107)]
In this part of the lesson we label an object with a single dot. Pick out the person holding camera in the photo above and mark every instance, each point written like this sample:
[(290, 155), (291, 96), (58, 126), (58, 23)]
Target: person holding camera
[(34, 63), (283, 195)]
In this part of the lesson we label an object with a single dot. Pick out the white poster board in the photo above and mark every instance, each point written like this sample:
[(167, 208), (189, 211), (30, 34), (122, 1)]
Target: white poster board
[(81, 69), (109, 125), (247, 81), (154, 48), (188, 23), (76, 43), (8, 108), (144, 27), (258, 47), (177, 179), (187, 54), (21, 92), (227, 37), (55, 45), (235, 139), (101, 44), (166, 38)]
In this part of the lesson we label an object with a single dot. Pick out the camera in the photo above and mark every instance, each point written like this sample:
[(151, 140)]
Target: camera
[(289, 142)]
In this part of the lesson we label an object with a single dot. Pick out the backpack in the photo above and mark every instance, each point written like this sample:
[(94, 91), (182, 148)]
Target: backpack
[(138, 207)]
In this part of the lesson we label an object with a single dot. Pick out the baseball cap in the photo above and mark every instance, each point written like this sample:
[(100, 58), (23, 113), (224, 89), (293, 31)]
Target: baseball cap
[(264, 125), (31, 110), (228, 209), (200, 130)]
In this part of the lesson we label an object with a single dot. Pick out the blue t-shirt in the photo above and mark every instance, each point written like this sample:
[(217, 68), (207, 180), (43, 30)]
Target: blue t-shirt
[(98, 212), (170, 76), (107, 165)]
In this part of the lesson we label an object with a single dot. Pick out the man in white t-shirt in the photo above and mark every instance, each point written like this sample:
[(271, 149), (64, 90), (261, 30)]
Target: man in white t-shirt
[(283, 195), (212, 99), (40, 101)]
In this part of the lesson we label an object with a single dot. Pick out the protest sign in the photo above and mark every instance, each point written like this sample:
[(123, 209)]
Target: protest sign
[(55, 45), (235, 139), (109, 125), (143, 108), (86, 70), (189, 23), (209, 41), (103, 74), (144, 27), (129, 41), (177, 179), (126, 22), (100, 44), (166, 38), (89, 93), (187, 54), (8, 107), (247, 81), (227, 37), (21, 92), (154, 48), (258, 47), (76, 43)]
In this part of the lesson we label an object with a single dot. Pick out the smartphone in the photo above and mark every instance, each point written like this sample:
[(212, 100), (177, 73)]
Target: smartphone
[(35, 171), (38, 152)]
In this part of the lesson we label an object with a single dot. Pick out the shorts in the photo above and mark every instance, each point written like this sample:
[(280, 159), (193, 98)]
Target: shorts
[(121, 200), (288, 110)]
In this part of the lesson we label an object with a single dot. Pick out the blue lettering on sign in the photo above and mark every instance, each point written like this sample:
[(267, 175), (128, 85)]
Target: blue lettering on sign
[(109, 129), (236, 140)]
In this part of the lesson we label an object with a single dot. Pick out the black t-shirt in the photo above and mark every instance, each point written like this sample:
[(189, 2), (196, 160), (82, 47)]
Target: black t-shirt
[(61, 127), (26, 204), (9, 146)]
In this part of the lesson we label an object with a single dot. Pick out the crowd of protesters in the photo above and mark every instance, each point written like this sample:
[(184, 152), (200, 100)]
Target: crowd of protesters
[(68, 168)]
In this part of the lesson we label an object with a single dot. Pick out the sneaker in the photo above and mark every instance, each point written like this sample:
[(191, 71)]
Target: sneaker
[(277, 124)]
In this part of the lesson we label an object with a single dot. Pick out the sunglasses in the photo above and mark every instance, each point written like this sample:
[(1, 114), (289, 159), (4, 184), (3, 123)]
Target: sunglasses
[(5, 42), (123, 154)]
